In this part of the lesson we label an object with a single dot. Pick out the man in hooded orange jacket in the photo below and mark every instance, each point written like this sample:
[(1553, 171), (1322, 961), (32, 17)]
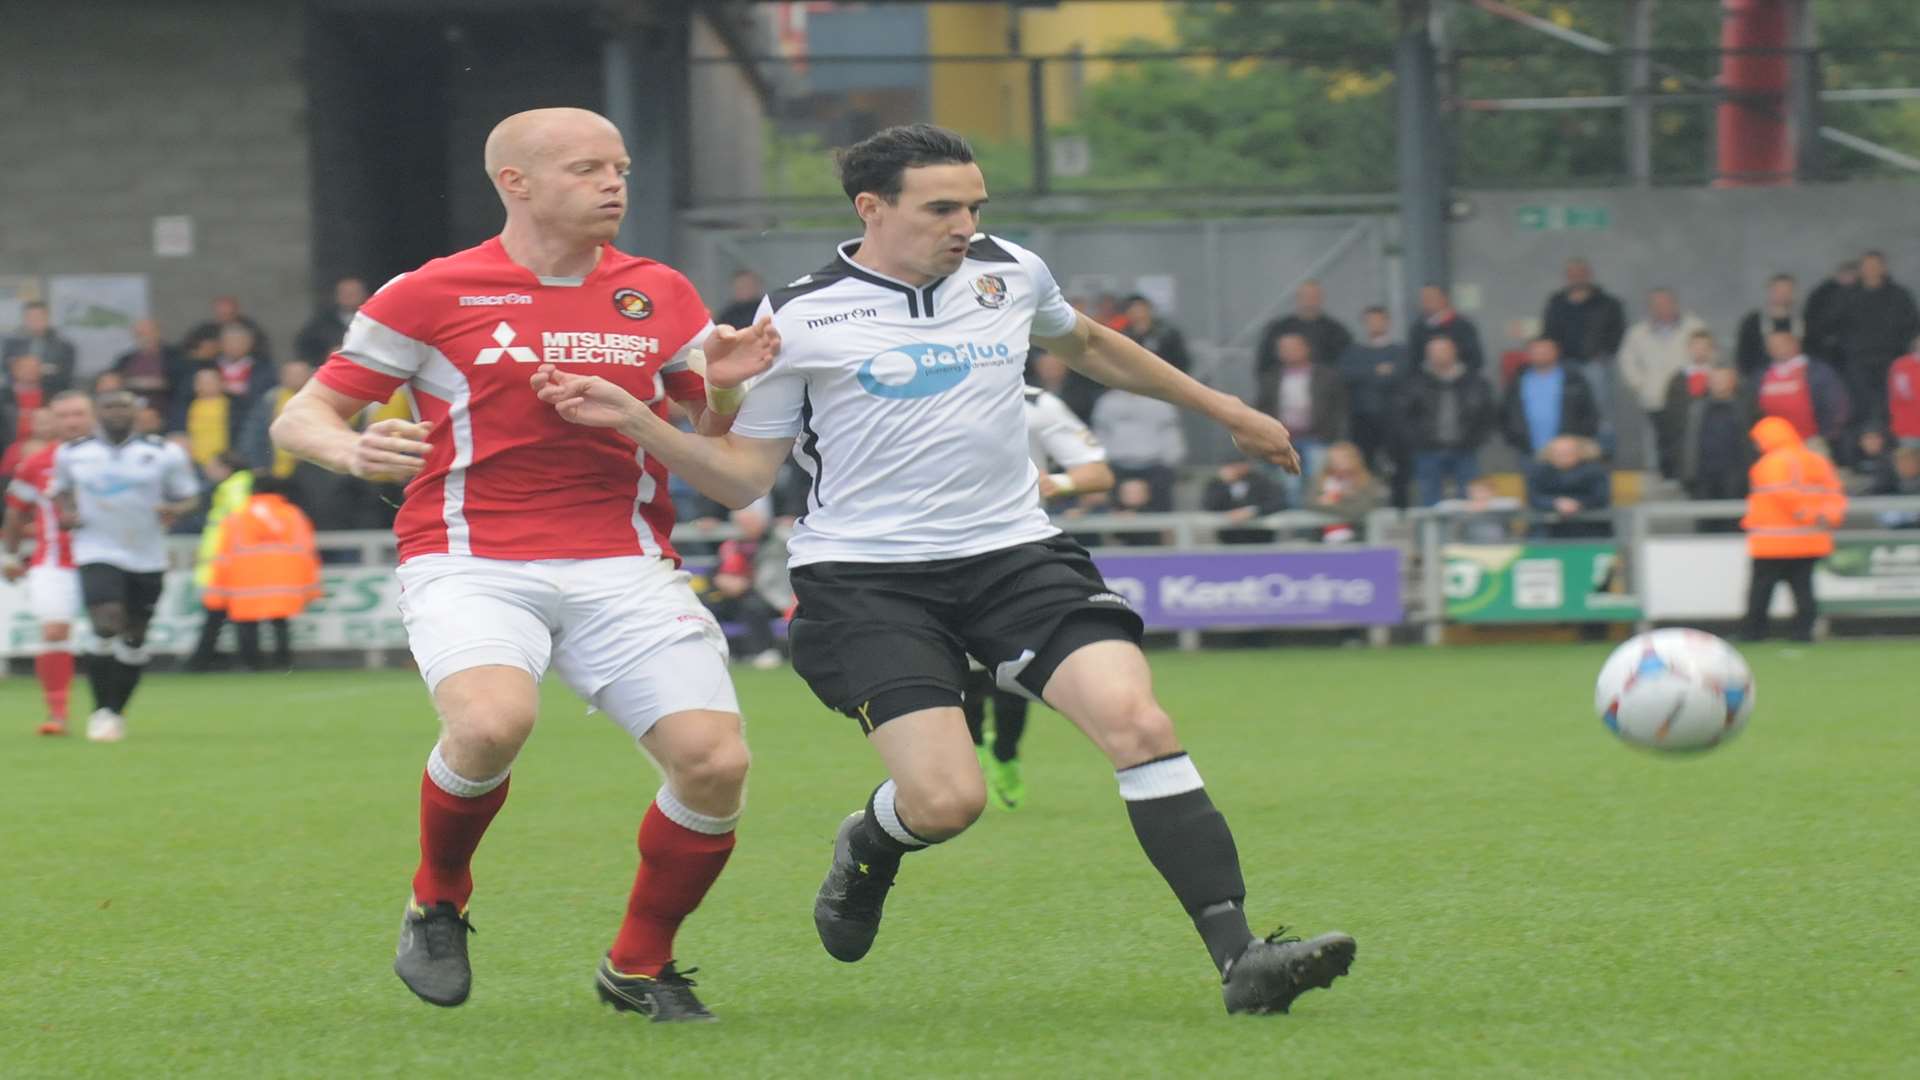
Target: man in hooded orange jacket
[(1795, 502), (267, 570)]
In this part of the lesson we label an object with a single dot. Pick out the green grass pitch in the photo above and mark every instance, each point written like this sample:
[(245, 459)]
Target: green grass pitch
[(220, 894)]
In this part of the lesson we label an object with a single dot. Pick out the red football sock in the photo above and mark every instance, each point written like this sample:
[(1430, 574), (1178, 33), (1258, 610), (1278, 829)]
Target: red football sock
[(677, 867), (55, 670), (450, 828)]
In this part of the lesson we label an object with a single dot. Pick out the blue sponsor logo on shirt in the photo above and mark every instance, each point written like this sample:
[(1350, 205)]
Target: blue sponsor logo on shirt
[(920, 370), (107, 485)]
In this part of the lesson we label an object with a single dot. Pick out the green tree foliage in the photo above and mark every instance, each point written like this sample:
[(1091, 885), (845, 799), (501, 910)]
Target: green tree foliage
[(1317, 114), (1217, 124)]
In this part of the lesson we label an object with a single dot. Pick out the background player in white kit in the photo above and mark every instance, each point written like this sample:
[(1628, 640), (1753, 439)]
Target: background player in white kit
[(53, 585), (898, 384), (119, 492), (526, 542), (1070, 462)]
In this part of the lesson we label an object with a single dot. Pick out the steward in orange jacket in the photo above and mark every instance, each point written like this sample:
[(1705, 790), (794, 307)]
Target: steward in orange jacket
[(1794, 503), (267, 567)]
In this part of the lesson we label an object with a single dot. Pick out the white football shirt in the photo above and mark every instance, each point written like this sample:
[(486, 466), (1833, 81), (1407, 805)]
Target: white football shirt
[(1055, 437), (907, 402), (118, 490)]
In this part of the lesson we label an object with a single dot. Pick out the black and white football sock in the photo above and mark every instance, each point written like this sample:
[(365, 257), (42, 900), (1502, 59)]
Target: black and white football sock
[(1188, 841)]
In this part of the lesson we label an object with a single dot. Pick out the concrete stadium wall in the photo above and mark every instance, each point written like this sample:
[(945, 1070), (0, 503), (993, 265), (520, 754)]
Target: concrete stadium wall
[(1717, 247), (128, 109)]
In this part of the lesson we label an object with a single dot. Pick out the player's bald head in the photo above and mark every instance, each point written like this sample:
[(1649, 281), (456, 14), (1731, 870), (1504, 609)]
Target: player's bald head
[(525, 138)]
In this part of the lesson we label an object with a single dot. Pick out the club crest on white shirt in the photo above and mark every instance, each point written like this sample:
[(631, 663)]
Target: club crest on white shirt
[(990, 290)]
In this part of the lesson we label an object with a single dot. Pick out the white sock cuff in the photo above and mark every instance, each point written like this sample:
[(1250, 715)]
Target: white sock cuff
[(888, 818), (130, 655), (690, 819), (453, 783), (1159, 779)]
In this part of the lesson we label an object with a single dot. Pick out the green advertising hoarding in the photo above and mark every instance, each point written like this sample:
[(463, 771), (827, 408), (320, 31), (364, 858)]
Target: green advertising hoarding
[(1864, 577), (1541, 582)]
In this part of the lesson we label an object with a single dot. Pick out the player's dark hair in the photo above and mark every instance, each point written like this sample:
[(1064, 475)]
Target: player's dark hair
[(877, 163), (1374, 309), (1778, 278), (1136, 298), (34, 305)]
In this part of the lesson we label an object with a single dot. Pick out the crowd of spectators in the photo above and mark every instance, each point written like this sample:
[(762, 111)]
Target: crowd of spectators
[(1421, 409), (215, 390)]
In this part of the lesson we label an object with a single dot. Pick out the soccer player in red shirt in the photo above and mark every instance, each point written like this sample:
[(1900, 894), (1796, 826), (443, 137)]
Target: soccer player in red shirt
[(53, 585), (525, 540)]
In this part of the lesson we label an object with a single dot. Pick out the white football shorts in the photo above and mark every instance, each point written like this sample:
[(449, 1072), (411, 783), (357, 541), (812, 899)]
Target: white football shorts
[(53, 593), (627, 634)]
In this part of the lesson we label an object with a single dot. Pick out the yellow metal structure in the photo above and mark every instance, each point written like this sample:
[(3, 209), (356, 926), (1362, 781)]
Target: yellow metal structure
[(989, 100)]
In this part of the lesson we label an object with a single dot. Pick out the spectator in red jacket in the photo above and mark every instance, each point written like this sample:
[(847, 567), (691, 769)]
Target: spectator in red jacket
[(1903, 398), (734, 595), (20, 396), (1802, 391)]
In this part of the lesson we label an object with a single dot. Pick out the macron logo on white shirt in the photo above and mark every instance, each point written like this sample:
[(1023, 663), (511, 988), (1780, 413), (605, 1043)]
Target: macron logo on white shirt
[(504, 336)]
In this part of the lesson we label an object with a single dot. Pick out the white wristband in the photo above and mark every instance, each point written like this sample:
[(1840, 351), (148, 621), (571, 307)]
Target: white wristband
[(1062, 484), (725, 401)]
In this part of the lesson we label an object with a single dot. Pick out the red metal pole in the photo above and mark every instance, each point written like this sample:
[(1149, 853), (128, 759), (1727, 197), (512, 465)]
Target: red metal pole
[(1755, 143)]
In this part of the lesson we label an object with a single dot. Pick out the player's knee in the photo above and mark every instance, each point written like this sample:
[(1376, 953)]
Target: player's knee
[(52, 633), (946, 809), (488, 738), (109, 621), (1139, 730), (716, 771)]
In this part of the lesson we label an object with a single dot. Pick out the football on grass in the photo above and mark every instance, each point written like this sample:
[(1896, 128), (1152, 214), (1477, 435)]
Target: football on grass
[(1675, 689)]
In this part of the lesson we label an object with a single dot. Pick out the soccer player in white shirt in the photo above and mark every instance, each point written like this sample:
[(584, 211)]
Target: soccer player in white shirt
[(119, 492), (897, 388)]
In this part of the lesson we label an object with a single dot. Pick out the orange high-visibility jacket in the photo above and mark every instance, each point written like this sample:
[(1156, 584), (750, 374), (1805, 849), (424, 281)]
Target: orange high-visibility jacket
[(267, 567), (1794, 499)]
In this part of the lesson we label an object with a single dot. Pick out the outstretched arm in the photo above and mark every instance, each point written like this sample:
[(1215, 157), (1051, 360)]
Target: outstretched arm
[(731, 469), (1091, 478), (1110, 357)]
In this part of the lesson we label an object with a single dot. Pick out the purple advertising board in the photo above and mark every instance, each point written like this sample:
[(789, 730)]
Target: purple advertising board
[(1204, 590)]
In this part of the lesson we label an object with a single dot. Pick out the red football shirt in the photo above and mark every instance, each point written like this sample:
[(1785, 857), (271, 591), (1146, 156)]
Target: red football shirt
[(506, 478), (52, 545)]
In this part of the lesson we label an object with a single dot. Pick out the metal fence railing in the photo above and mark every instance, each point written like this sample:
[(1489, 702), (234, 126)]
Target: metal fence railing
[(1212, 124), (1650, 563)]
